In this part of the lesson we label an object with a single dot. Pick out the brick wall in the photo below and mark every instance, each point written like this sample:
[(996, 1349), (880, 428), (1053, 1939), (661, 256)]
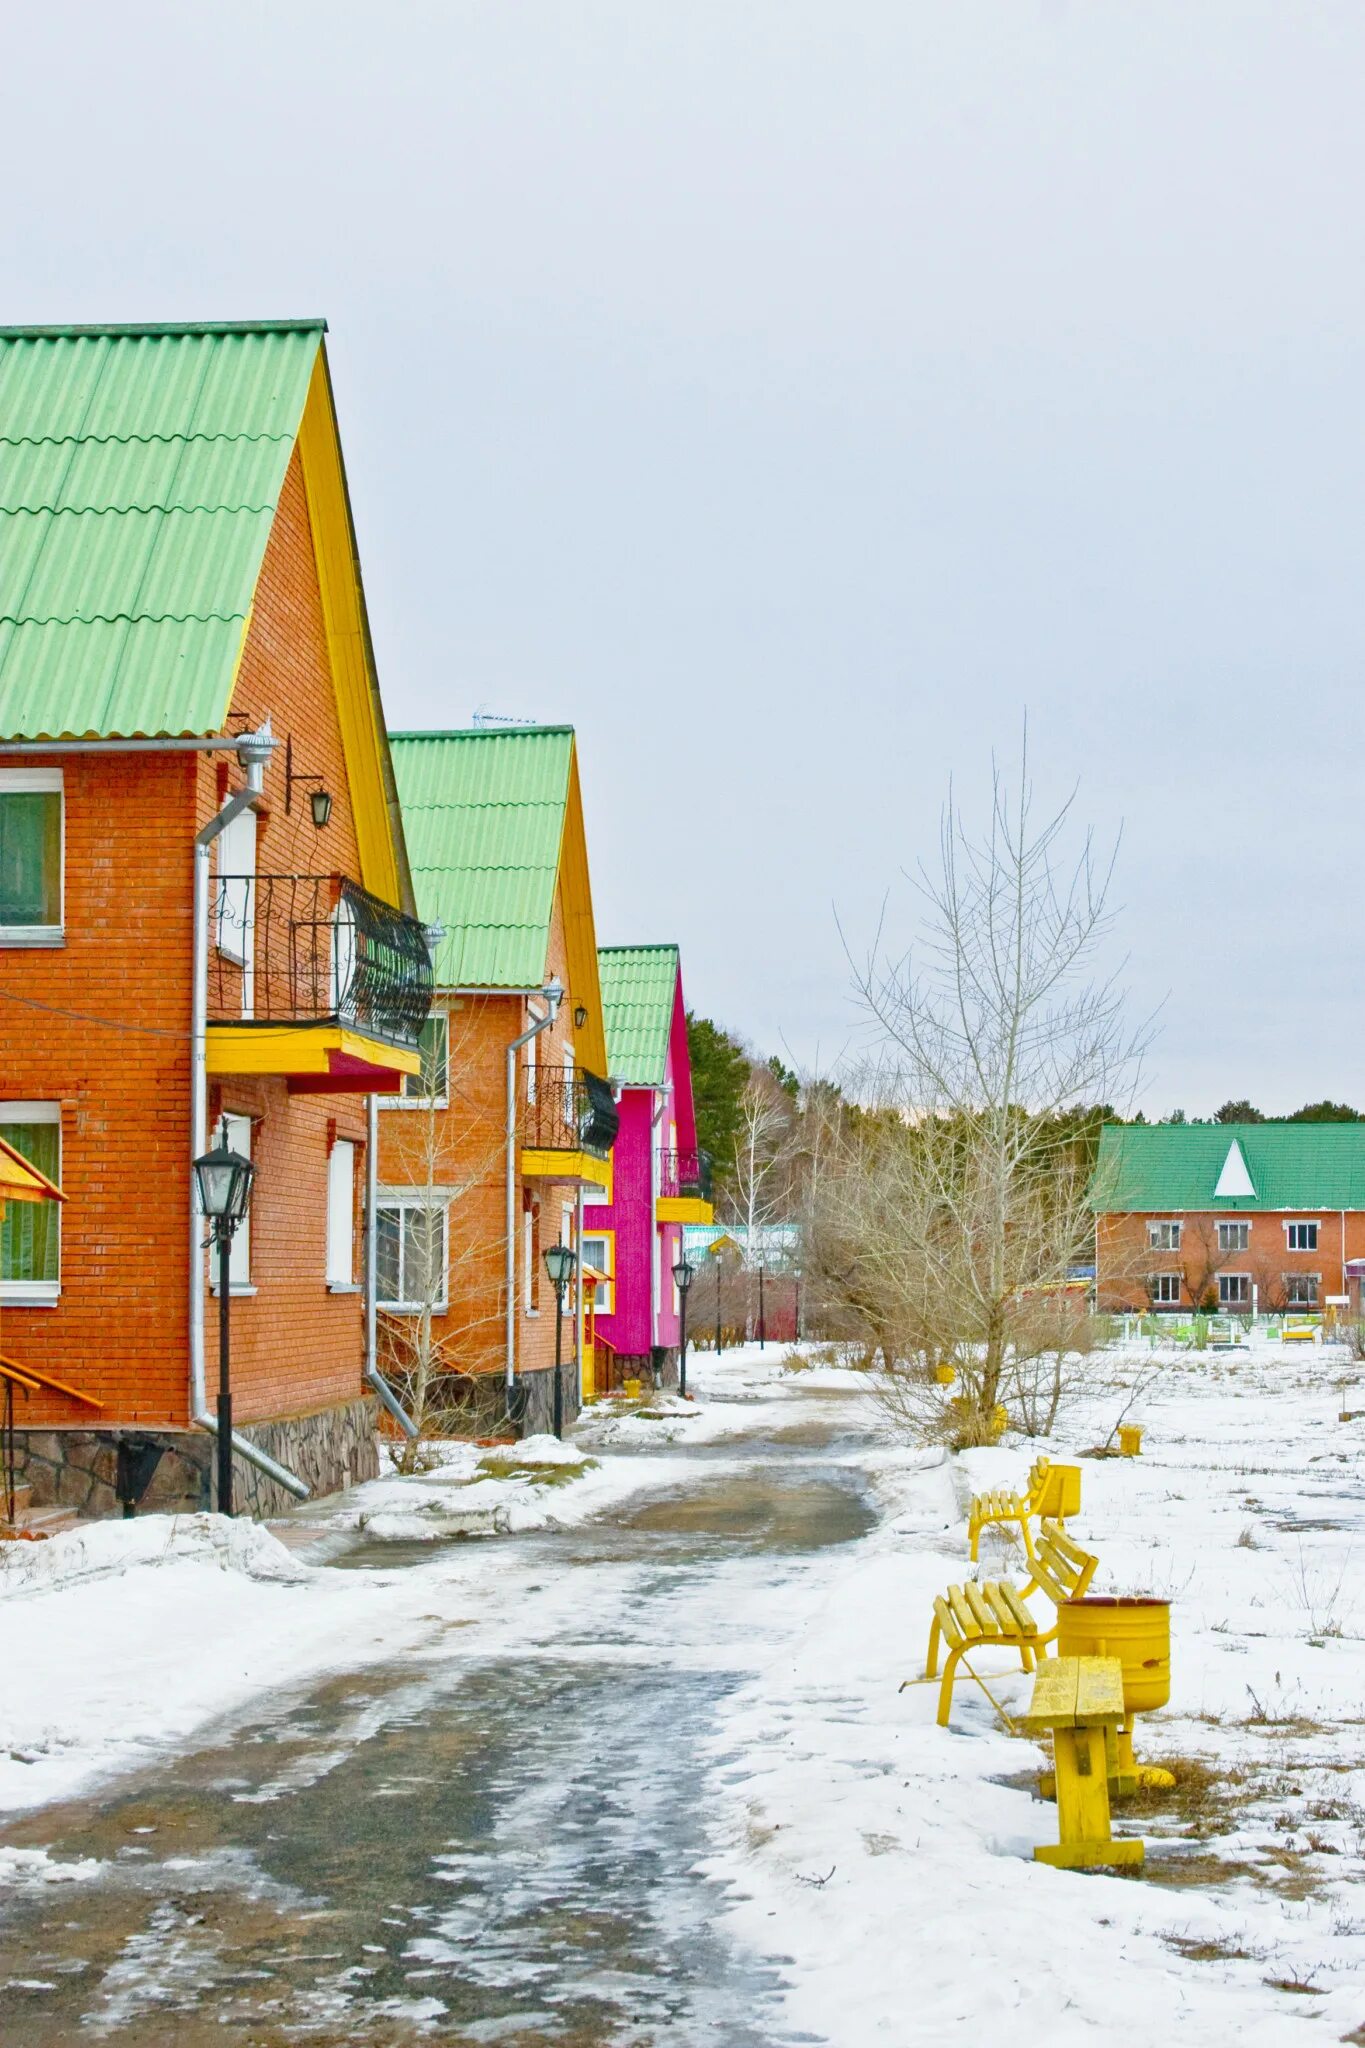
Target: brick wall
[(1125, 1257), (121, 1067), (462, 1148)]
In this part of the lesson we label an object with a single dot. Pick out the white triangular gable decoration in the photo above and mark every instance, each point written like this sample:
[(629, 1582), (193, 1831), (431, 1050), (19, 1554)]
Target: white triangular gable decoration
[(1234, 1180)]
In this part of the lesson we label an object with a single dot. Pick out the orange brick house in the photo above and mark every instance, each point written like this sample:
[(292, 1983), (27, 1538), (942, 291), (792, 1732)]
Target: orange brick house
[(189, 942), (1234, 1218), (484, 1161)]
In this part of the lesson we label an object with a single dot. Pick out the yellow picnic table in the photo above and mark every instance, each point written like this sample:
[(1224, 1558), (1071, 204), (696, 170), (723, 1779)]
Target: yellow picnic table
[(1079, 1702)]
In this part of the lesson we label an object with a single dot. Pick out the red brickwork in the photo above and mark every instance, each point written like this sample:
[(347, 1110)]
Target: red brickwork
[(1126, 1260), (462, 1148), (121, 1068)]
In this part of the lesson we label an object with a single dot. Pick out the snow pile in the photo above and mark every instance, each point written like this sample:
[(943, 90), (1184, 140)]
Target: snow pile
[(28, 1867), (106, 1548)]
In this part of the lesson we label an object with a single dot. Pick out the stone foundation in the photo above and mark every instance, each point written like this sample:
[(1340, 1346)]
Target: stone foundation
[(77, 1468), (640, 1365)]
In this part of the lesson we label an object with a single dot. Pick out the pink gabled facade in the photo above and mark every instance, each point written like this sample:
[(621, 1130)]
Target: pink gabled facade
[(657, 1178)]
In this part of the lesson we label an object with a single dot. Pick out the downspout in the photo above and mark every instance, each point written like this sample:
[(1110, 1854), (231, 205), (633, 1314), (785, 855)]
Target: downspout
[(253, 751), (553, 993), (376, 1379)]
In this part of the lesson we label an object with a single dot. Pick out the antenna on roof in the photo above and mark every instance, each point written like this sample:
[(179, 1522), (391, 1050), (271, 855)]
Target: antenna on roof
[(482, 720)]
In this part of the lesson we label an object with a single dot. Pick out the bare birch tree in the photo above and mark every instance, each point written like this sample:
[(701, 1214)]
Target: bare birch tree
[(993, 1027)]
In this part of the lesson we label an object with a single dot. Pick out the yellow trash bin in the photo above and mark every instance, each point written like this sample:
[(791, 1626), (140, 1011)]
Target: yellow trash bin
[(945, 1374), (1130, 1440), (1138, 1632)]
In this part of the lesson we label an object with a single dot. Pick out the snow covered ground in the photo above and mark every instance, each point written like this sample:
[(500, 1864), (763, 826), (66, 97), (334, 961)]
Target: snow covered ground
[(885, 1861), (895, 1855)]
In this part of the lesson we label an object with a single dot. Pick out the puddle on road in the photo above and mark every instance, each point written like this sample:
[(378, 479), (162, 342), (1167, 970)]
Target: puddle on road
[(761, 1511), (500, 1852)]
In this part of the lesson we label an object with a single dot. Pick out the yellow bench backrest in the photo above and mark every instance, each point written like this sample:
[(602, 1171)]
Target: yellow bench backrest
[(1061, 1567), (1055, 1490)]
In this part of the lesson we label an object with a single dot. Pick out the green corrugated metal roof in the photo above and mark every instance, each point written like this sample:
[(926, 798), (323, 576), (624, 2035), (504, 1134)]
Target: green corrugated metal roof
[(638, 988), (483, 815), (139, 473), (1159, 1167)]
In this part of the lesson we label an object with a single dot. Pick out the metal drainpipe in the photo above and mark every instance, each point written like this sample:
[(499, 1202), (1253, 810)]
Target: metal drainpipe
[(376, 1379), (553, 994), (253, 751)]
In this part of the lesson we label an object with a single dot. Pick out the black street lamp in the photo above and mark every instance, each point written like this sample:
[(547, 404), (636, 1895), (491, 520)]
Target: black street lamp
[(560, 1260), (682, 1280), (762, 1326), (223, 1178), (716, 1256)]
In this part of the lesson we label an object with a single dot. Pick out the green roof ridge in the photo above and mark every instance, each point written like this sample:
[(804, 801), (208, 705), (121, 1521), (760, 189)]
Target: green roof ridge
[(1175, 1167), (137, 329)]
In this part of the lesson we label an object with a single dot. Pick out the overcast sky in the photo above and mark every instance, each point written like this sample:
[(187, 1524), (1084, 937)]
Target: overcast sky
[(790, 395)]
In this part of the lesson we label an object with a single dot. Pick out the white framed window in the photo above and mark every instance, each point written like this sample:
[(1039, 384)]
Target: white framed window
[(413, 1248), (1234, 1290), (235, 920), (1166, 1288), (431, 1088), (532, 1064), (599, 1252), (1301, 1290), (32, 859), (236, 1134), (31, 1232), (341, 1214), (1301, 1237), (344, 956), (1234, 1237), (530, 1256), (1163, 1237)]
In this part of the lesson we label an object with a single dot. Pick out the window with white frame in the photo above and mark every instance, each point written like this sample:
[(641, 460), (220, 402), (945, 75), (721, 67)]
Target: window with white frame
[(236, 853), (31, 858), (341, 1214), (530, 1256), (1234, 1290), (1234, 1237), (30, 1232), (1301, 1237), (1301, 1289), (412, 1248), (1163, 1237), (235, 1133), (532, 1064), (1166, 1288), (430, 1088), (599, 1252)]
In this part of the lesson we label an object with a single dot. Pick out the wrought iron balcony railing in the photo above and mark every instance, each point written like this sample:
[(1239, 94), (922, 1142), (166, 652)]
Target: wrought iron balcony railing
[(684, 1173), (567, 1109), (307, 949)]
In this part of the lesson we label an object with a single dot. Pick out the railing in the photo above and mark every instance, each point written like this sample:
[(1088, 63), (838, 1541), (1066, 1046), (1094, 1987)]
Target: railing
[(304, 949), (566, 1109), (685, 1173)]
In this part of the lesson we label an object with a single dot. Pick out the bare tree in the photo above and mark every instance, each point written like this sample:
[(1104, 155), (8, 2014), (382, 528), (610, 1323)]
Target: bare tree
[(990, 1031), (1203, 1260)]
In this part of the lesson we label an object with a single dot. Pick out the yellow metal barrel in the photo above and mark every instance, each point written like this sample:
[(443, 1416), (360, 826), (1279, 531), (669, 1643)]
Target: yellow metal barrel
[(1137, 1632)]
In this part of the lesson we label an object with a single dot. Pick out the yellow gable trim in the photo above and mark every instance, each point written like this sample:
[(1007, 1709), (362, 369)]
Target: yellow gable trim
[(364, 741), (580, 932)]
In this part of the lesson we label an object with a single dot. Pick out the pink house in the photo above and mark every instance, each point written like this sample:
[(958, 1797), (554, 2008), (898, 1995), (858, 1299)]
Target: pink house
[(659, 1181)]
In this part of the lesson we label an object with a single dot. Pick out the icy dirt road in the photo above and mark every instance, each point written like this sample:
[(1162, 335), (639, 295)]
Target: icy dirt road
[(469, 1843)]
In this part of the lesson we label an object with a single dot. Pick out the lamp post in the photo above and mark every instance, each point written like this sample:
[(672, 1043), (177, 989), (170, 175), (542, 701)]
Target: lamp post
[(223, 1178), (762, 1327), (682, 1280), (716, 1256), (560, 1260)]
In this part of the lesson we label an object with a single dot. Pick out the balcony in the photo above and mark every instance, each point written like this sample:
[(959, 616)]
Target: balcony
[(684, 1188), (312, 978), (567, 1121)]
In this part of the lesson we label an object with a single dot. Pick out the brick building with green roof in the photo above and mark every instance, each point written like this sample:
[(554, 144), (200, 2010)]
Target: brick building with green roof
[(1241, 1218)]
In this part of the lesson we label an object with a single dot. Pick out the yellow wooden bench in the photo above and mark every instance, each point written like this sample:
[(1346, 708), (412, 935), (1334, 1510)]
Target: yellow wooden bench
[(1054, 1492), (1079, 1702), (992, 1611), (1299, 1333)]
